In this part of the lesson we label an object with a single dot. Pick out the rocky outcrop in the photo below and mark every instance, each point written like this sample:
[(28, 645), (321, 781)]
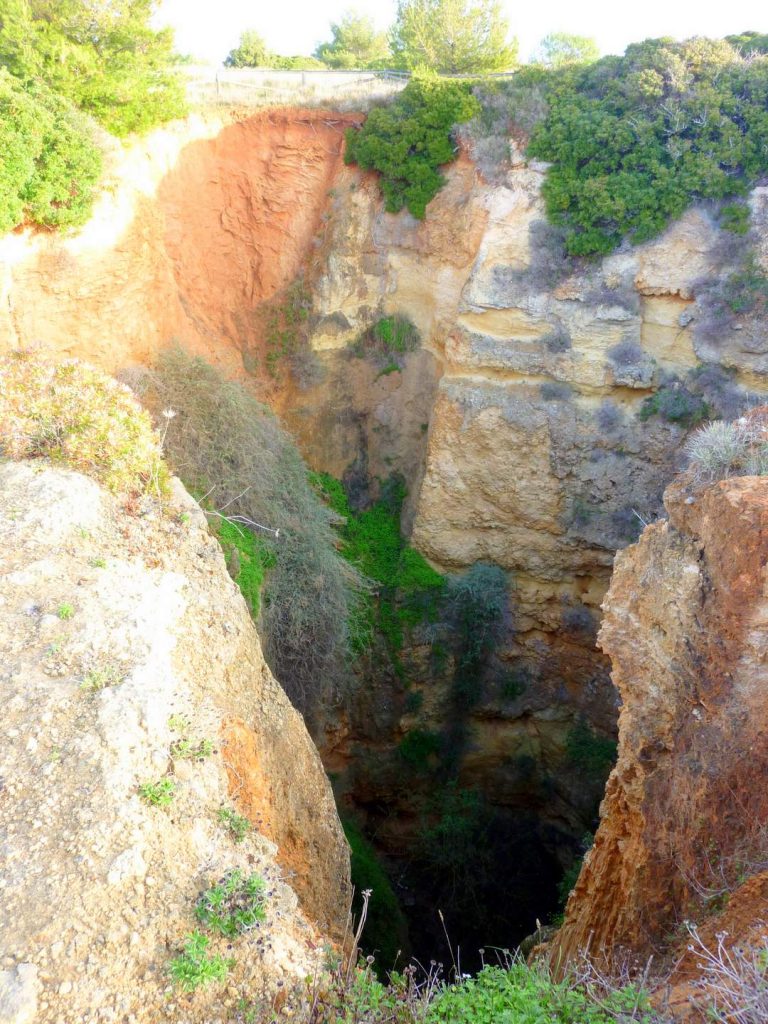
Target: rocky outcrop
[(686, 628), (128, 657)]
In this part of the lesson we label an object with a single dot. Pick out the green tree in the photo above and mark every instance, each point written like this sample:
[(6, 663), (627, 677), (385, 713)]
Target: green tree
[(461, 37), (355, 44), (560, 48), (251, 52), (104, 56)]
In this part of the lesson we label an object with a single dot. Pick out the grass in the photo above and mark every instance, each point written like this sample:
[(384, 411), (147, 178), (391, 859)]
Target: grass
[(234, 905)]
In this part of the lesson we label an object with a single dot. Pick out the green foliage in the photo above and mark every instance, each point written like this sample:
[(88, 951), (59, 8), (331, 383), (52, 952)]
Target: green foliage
[(105, 58), (225, 444), (392, 335), (593, 754), (561, 48), (674, 403), (158, 794), (237, 825), (478, 603), (734, 217), (386, 930), (65, 611), (51, 161), (248, 558), (409, 140), (251, 52), (233, 906), (355, 43), (419, 747), (633, 141), (528, 995), (194, 967), (452, 37), (189, 750)]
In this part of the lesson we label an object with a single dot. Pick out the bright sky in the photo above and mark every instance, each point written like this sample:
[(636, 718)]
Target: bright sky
[(211, 28)]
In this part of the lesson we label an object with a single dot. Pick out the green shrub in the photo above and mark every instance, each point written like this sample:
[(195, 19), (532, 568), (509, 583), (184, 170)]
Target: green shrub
[(76, 415), (194, 967), (634, 140), (225, 445), (248, 560), (391, 335), (105, 58), (386, 930), (594, 754), (409, 140), (233, 906), (674, 403), (418, 747), (51, 161)]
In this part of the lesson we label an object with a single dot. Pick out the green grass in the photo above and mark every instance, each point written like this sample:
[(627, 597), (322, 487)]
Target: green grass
[(250, 557)]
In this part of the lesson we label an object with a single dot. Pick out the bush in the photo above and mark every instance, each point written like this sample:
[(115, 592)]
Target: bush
[(228, 447), (558, 339), (51, 161), (409, 140), (674, 403), (608, 416), (629, 147), (717, 450), (392, 335), (76, 415), (586, 750), (626, 354)]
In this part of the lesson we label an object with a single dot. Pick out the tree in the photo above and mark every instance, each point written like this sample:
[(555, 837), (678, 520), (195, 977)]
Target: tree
[(560, 48), (355, 44), (101, 54), (461, 37), (251, 53)]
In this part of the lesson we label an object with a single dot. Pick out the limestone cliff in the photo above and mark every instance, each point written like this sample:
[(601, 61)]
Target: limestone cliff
[(128, 656), (686, 629)]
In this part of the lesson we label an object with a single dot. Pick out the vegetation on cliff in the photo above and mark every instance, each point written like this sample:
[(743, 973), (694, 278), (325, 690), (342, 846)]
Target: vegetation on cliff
[(64, 67)]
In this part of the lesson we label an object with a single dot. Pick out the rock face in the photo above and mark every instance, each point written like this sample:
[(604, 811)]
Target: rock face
[(125, 645), (686, 628)]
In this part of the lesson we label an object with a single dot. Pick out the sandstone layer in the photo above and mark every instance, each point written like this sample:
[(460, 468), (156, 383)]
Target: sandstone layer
[(686, 628), (122, 636)]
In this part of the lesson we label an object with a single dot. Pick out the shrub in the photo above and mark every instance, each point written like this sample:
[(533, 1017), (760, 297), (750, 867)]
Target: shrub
[(408, 141), (717, 450), (194, 967), (735, 979), (736, 296), (225, 445), (51, 160), (674, 403), (626, 354), (418, 747), (629, 148), (76, 415), (233, 906), (578, 619), (558, 339), (586, 750), (608, 416)]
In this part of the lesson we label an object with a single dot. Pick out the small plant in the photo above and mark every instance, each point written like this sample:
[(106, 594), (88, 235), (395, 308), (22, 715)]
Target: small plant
[(65, 611), (392, 335), (194, 967), (235, 823), (98, 563), (178, 723), (158, 794), (233, 906), (98, 678), (188, 750), (716, 450)]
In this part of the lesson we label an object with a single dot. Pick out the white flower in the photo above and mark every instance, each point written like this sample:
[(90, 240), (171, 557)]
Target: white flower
[(169, 413)]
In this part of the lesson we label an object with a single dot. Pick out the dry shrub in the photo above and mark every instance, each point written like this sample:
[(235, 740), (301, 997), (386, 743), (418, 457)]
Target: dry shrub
[(735, 979), (72, 413), (230, 449), (720, 450)]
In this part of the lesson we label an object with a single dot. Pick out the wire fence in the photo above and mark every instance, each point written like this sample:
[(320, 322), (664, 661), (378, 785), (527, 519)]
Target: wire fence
[(257, 87)]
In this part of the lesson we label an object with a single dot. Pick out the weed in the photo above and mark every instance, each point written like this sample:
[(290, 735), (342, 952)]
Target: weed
[(65, 611), (178, 723), (158, 794), (237, 825), (98, 563), (98, 678), (194, 967), (188, 750), (233, 906)]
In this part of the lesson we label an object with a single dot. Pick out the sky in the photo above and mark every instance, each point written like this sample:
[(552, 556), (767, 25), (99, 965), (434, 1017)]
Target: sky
[(211, 28)]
